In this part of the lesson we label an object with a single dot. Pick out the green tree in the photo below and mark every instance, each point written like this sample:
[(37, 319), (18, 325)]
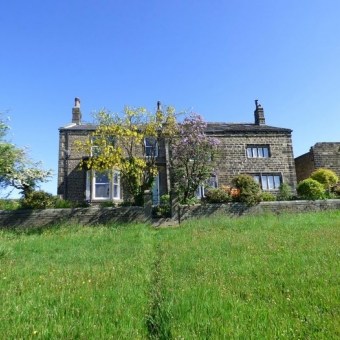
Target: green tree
[(17, 169), (129, 143)]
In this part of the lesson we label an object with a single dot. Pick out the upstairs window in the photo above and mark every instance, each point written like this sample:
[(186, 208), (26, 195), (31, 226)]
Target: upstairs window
[(257, 151), (268, 181), (97, 142), (151, 146)]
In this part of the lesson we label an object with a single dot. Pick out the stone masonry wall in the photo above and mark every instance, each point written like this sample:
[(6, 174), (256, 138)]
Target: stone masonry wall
[(233, 158), (71, 180), (304, 166), (82, 216), (321, 155), (239, 209), (102, 215), (327, 155)]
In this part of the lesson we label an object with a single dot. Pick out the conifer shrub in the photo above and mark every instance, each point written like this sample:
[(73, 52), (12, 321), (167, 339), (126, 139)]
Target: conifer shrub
[(250, 192), (285, 192)]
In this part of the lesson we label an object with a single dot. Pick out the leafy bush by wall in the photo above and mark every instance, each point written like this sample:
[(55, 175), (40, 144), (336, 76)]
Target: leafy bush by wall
[(218, 195), (37, 200), (249, 189), (326, 177), (267, 197), (285, 192), (311, 189)]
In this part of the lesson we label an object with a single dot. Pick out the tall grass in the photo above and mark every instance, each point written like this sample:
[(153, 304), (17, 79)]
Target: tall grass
[(75, 283), (268, 277)]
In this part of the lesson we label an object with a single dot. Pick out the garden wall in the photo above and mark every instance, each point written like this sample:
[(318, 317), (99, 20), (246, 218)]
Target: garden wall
[(83, 216), (104, 215), (239, 209)]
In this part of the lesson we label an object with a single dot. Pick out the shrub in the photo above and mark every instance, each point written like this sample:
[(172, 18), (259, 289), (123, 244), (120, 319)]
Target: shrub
[(7, 204), (37, 200), (165, 206), (336, 190), (108, 204), (248, 188), (218, 195), (267, 197), (326, 177), (311, 189), (62, 204), (285, 192)]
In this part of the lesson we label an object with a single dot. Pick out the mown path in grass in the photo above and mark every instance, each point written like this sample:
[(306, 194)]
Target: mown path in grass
[(267, 277)]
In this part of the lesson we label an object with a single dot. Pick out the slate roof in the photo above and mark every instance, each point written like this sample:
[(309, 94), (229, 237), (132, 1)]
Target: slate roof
[(79, 127), (242, 127), (217, 127)]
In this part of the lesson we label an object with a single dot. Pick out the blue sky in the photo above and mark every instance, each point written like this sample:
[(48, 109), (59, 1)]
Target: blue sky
[(212, 57)]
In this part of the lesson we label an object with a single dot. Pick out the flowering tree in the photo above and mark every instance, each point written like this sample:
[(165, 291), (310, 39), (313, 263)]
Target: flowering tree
[(129, 143), (193, 156), (17, 169)]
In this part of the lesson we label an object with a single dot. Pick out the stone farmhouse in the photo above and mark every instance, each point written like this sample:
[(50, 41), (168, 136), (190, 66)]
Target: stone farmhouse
[(321, 155), (262, 151)]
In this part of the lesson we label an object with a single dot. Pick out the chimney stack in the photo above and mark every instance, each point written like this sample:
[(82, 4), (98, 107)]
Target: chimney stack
[(259, 115), (159, 113), (76, 112)]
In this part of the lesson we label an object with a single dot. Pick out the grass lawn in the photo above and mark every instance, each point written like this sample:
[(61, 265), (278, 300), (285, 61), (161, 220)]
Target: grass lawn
[(266, 277)]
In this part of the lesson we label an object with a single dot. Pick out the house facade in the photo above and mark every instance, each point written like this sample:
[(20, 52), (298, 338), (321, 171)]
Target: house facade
[(262, 151), (321, 155)]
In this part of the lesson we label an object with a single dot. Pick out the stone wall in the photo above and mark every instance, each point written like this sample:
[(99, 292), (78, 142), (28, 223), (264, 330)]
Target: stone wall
[(239, 209), (233, 160), (321, 155), (82, 216), (100, 215), (304, 166), (71, 180), (327, 155)]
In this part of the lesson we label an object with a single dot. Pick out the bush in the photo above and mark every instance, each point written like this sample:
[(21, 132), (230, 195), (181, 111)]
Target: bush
[(249, 189), (311, 189), (7, 204), (62, 204), (108, 204), (336, 190), (165, 206), (218, 195), (37, 200), (327, 178), (267, 197), (285, 192)]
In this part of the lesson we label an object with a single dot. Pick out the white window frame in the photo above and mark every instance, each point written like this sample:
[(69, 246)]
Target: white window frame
[(113, 187), (258, 151), (149, 147), (200, 193), (268, 181)]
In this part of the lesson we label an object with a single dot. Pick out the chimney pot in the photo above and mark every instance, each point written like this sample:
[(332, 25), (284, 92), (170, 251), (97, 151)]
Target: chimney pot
[(77, 102)]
